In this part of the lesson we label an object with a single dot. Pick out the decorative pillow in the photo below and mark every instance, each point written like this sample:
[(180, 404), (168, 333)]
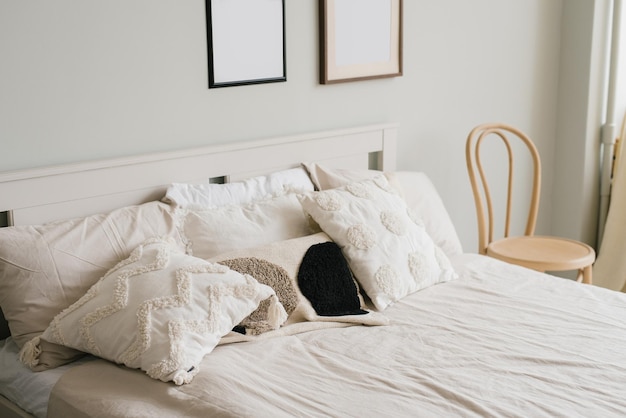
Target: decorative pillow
[(388, 250), (415, 187), (160, 310), (214, 231), (46, 268), (311, 279), (239, 193)]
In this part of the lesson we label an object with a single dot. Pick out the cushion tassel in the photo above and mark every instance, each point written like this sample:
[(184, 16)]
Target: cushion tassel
[(276, 314), (29, 354)]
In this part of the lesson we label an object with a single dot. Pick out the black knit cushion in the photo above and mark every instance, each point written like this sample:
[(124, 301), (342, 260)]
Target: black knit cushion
[(326, 281)]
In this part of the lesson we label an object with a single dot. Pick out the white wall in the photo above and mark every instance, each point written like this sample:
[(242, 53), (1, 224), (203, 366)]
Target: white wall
[(581, 113), (84, 80), (620, 102)]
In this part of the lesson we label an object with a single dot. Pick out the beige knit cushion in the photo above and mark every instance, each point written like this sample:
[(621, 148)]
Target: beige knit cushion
[(280, 265)]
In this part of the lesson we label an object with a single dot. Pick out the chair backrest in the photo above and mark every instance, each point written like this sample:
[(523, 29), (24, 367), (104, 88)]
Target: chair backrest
[(480, 186)]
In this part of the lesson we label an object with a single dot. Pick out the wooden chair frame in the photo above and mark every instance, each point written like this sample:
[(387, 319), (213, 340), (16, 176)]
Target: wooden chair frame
[(474, 166), (540, 253)]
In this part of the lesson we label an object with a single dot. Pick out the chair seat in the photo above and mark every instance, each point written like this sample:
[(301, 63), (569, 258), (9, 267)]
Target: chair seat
[(543, 253)]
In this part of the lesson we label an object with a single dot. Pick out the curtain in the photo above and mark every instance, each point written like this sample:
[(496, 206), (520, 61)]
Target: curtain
[(610, 268)]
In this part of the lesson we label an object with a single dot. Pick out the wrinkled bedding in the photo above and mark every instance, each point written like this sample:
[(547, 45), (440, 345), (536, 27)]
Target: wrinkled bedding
[(499, 341)]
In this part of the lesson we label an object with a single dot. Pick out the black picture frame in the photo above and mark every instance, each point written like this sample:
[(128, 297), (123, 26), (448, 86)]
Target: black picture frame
[(246, 42)]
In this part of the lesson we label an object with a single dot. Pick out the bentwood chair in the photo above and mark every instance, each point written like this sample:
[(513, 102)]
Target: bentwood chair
[(542, 253)]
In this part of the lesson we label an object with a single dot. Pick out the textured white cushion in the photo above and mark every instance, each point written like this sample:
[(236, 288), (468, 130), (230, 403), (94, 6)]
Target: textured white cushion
[(210, 232), (46, 268), (385, 244), (160, 310), (239, 193)]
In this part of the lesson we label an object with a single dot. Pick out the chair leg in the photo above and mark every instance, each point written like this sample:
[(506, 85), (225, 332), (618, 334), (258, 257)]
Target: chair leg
[(585, 275)]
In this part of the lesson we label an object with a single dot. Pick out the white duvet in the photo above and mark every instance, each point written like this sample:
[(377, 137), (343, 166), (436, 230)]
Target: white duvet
[(499, 341)]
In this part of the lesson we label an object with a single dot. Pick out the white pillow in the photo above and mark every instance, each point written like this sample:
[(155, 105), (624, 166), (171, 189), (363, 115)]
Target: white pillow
[(210, 232), (422, 197), (46, 268), (239, 193), (386, 245), (160, 310)]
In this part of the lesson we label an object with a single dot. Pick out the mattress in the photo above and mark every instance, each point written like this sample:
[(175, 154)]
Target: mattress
[(500, 340)]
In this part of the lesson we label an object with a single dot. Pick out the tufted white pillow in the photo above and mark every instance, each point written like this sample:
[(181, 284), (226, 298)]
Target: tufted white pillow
[(160, 310), (386, 245)]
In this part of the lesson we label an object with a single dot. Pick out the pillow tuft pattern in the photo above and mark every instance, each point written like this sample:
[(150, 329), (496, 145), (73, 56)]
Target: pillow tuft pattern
[(160, 310), (361, 236), (329, 201), (388, 250), (394, 222)]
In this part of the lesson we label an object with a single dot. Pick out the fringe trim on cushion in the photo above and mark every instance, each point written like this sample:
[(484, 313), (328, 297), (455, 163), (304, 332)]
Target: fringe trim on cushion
[(180, 377), (29, 354), (276, 314)]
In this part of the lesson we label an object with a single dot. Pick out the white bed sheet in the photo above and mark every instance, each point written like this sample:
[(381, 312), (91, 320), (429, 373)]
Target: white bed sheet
[(20, 385), (499, 341)]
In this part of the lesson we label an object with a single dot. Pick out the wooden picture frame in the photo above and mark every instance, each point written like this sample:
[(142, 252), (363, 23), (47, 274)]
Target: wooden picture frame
[(360, 39), (246, 42)]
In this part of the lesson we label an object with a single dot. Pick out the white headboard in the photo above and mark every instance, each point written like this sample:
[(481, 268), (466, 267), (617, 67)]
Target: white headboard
[(41, 195)]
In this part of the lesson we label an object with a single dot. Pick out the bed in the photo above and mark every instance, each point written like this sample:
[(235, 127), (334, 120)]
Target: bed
[(341, 285)]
